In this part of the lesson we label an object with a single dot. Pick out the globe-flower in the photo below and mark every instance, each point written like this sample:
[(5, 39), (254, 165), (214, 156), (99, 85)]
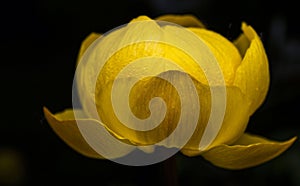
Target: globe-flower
[(246, 74)]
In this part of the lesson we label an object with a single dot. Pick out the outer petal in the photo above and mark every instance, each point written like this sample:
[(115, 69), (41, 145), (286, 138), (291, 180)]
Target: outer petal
[(183, 20), (252, 76), (112, 145), (233, 126), (64, 125), (86, 43), (246, 152), (225, 52)]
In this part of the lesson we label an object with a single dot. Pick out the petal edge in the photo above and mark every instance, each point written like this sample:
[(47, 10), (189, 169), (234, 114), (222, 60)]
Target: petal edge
[(68, 131), (86, 43), (186, 20), (252, 151), (252, 76)]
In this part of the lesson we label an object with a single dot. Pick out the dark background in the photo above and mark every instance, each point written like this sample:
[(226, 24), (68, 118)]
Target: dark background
[(39, 42)]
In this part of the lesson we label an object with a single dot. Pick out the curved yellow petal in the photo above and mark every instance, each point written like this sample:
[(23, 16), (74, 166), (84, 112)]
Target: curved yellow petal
[(141, 18), (246, 152), (225, 52), (186, 20), (139, 99), (65, 126), (252, 76), (242, 43), (86, 43), (236, 114), (234, 122)]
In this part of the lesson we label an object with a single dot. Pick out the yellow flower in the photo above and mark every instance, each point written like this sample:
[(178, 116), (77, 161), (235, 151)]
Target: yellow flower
[(246, 74)]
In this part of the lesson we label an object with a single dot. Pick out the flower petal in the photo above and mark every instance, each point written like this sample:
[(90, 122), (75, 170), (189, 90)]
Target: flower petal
[(225, 52), (236, 114), (246, 152), (234, 122), (186, 20), (139, 99), (140, 18), (242, 43), (65, 126), (252, 76), (86, 43)]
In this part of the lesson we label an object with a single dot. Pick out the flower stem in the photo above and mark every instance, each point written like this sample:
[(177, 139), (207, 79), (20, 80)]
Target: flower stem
[(170, 172)]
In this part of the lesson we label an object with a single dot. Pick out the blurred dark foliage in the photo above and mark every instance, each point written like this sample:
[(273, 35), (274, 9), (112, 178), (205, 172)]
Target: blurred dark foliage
[(39, 42)]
